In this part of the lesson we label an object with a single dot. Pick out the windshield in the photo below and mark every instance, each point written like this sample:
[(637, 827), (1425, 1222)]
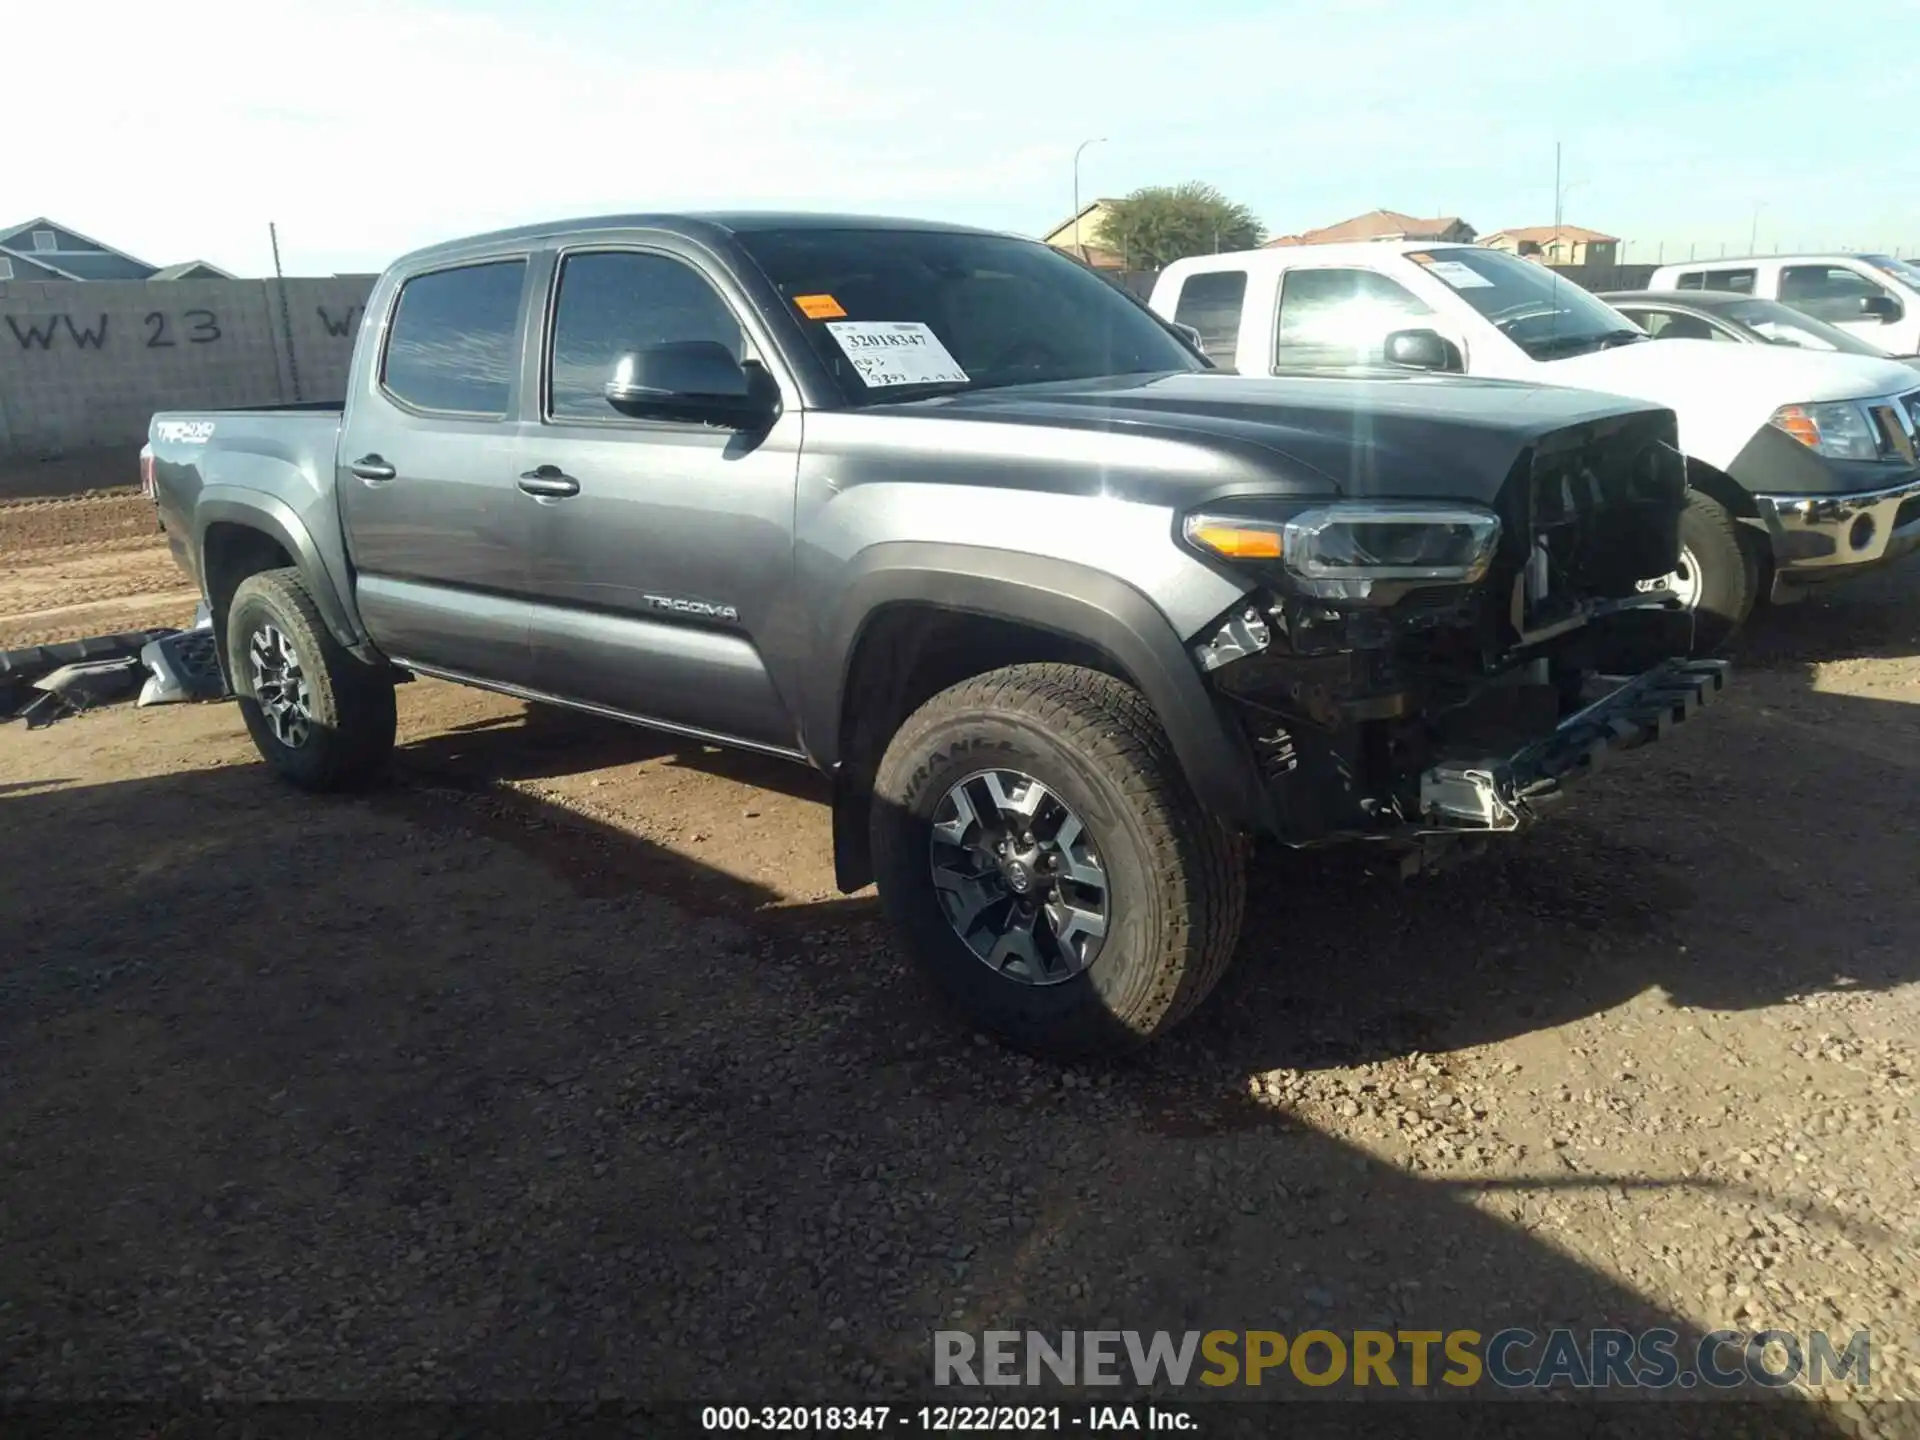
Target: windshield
[(1546, 315), (1904, 271), (897, 313), (1780, 325)]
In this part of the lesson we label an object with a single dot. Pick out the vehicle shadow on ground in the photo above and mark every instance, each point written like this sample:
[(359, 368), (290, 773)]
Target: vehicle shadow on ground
[(548, 742), (362, 1103), (1767, 892), (1873, 617)]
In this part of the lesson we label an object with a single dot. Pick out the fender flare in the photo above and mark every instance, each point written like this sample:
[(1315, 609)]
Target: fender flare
[(274, 518), (1074, 601)]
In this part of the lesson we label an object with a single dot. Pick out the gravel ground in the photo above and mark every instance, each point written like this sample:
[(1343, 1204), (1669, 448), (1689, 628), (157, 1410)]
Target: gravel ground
[(556, 1069)]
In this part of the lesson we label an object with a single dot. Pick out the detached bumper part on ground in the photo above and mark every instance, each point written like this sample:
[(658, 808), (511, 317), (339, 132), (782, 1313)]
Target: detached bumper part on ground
[(45, 683), (184, 665)]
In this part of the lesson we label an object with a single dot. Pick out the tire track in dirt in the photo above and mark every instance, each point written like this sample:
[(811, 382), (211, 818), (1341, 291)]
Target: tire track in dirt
[(86, 565)]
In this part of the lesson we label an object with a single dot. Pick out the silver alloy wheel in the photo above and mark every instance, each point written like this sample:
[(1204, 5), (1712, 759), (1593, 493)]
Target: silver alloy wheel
[(1681, 585), (1018, 877), (280, 685)]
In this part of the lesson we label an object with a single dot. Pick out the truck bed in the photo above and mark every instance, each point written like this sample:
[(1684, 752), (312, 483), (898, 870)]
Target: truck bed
[(285, 452)]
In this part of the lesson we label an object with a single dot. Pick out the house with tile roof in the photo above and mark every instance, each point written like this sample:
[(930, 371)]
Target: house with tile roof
[(1558, 244), (1079, 236), (1384, 225)]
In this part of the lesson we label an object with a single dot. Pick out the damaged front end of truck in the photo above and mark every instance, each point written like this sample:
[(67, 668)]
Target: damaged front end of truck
[(1428, 673)]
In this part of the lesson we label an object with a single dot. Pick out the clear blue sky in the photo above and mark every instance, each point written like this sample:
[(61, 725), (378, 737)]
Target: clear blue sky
[(367, 128)]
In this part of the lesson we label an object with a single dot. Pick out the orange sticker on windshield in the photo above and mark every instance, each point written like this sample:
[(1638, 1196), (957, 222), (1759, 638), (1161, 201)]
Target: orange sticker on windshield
[(819, 307)]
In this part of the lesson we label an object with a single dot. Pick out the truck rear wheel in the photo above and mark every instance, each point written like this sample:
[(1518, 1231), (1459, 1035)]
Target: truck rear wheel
[(1041, 855), (318, 716)]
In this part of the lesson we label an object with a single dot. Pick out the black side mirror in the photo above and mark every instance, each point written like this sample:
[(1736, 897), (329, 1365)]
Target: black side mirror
[(1884, 308), (696, 381), (1423, 350)]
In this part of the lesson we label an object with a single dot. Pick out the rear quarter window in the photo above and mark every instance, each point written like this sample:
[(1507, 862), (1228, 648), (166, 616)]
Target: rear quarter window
[(1737, 282), (451, 347), (1212, 303)]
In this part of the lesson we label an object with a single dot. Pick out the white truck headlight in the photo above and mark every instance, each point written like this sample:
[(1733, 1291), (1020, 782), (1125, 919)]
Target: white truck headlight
[(1838, 429), (1340, 550)]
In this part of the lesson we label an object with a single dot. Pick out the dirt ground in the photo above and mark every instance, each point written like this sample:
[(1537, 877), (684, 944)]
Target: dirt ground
[(557, 1068)]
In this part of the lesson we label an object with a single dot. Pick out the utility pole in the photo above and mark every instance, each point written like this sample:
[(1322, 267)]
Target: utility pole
[(1753, 235), (286, 312), (1556, 185), (1079, 239)]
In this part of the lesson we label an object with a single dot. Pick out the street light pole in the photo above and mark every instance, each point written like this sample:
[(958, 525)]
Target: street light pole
[(1753, 235), (1079, 240)]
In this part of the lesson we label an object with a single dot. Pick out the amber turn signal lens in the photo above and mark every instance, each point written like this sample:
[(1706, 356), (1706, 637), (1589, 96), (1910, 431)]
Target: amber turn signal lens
[(1797, 423), (1236, 542)]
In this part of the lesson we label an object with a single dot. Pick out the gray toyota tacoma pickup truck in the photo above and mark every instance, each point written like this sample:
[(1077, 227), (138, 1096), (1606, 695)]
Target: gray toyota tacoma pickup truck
[(1068, 617)]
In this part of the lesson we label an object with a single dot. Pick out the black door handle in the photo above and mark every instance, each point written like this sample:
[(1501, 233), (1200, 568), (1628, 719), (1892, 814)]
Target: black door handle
[(549, 482), (372, 467)]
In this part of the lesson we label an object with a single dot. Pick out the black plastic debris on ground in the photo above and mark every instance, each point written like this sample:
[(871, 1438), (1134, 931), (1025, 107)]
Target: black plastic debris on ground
[(44, 683), (74, 688), (24, 673)]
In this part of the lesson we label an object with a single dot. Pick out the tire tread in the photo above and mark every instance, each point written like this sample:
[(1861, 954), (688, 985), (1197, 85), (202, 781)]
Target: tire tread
[(1200, 862), (358, 697)]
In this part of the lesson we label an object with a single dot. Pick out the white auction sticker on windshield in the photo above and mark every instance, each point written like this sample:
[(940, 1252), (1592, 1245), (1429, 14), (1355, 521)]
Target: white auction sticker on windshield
[(1461, 277), (896, 352)]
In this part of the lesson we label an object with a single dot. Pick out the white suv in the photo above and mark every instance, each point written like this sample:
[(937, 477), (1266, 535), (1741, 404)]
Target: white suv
[(1873, 296)]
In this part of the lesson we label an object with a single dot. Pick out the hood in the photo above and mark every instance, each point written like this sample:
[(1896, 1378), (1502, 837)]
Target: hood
[(1666, 371), (1166, 438)]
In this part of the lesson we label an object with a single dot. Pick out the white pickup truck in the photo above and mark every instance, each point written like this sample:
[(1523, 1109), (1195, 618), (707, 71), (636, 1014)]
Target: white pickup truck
[(1802, 465), (1875, 297)]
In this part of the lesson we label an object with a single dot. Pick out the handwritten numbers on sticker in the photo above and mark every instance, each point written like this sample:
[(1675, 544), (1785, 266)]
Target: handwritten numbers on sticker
[(896, 352)]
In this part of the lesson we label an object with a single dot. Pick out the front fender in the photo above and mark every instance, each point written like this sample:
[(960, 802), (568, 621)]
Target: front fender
[(1073, 601), (273, 517)]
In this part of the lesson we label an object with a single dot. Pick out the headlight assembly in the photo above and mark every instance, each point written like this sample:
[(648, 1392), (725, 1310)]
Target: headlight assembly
[(1838, 429), (1339, 551)]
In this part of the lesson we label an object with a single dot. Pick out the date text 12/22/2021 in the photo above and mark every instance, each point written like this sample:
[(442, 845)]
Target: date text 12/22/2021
[(946, 1419)]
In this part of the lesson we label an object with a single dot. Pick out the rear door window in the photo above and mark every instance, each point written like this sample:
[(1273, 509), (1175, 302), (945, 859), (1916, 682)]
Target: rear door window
[(1341, 318), (451, 348), (1212, 304), (1738, 282)]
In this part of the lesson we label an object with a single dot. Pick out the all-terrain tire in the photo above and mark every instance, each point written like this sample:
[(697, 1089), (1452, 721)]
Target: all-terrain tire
[(350, 703), (1729, 572), (1176, 877)]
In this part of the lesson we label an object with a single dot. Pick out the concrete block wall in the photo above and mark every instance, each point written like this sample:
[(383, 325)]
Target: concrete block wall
[(86, 364)]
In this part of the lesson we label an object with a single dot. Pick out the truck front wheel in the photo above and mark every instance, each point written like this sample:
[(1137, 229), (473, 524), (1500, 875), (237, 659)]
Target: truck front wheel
[(318, 716), (1718, 579), (1041, 855)]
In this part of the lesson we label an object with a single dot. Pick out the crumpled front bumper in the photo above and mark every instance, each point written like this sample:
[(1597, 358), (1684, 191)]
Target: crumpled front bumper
[(1502, 794)]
